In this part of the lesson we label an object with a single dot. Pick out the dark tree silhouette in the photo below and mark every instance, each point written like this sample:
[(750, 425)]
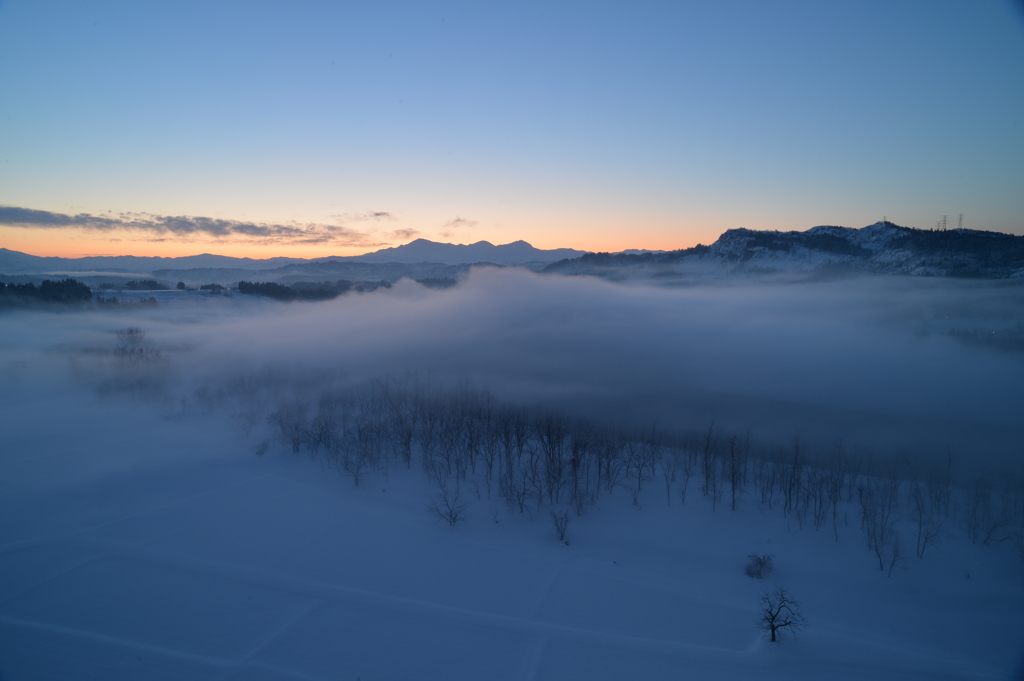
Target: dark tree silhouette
[(145, 285), (68, 291), (268, 288), (448, 505), (779, 613)]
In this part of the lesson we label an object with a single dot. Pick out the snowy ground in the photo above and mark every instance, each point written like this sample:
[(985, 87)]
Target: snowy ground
[(146, 539), (168, 550)]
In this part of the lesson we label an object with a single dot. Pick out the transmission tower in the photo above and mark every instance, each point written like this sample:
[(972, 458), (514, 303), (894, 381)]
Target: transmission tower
[(943, 223), (960, 223)]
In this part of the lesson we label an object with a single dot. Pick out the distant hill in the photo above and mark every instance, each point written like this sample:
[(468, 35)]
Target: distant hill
[(881, 248), (422, 250), (416, 252), (14, 262), (316, 271)]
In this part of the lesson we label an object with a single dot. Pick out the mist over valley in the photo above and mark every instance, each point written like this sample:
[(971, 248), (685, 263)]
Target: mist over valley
[(430, 455)]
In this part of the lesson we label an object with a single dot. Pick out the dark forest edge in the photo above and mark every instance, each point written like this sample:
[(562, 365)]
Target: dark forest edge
[(65, 292), (70, 293)]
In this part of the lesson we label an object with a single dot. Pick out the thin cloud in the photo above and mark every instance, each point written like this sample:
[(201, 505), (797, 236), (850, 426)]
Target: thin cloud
[(160, 226), (457, 223), (368, 216), (403, 234)]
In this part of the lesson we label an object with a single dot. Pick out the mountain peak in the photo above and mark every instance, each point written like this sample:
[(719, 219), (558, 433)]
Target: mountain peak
[(424, 250)]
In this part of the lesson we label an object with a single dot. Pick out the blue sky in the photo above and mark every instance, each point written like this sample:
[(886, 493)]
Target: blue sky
[(591, 125)]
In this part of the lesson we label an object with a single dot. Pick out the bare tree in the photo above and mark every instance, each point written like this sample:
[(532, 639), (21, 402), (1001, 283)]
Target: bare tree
[(402, 415), (561, 520), (835, 493), (428, 419), (491, 445), (792, 480), (130, 350), (637, 459), (766, 478), (736, 466), (448, 458), (708, 463), (448, 505), (581, 451), (551, 433), (321, 431), (686, 464), (669, 466), (878, 502), (779, 613), (514, 488), (895, 553), (940, 486), (929, 529), (610, 462), (290, 420), (130, 336)]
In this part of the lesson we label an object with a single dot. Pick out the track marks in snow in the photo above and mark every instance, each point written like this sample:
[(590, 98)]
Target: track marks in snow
[(122, 641), (535, 660), (300, 605), (29, 565)]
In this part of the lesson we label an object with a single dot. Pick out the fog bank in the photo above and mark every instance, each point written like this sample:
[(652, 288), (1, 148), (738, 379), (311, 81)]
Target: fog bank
[(867, 362)]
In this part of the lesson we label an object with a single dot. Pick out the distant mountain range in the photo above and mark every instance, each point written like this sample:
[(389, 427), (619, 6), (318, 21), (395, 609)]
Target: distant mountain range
[(421, 250), (420, 260), (418, 251), (881, 248)]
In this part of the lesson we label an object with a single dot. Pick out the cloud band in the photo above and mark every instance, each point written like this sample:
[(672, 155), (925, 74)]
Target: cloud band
[(186, 226)]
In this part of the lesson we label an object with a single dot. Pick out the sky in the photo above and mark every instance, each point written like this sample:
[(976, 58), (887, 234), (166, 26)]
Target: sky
[(308, 129)]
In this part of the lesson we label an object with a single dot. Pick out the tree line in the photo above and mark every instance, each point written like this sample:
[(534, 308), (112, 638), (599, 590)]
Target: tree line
[(299, 291), (471, 446), (67, 291)]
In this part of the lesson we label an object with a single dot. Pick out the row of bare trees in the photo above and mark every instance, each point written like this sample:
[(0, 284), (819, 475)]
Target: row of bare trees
[(469, 444)]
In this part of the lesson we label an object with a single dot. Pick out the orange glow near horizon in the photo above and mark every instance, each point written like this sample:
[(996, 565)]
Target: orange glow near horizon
[(78, 243), (75, 244)]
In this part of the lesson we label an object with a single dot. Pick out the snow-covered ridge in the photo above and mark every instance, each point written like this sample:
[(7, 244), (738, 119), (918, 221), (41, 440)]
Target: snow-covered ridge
[(881, 248)]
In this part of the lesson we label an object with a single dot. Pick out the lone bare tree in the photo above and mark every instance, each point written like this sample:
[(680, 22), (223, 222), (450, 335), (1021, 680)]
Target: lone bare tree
[(130, 336), (779, 613), (448, 505), (561, 520)]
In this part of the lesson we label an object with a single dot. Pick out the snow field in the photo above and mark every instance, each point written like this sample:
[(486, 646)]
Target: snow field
[(197, 559)]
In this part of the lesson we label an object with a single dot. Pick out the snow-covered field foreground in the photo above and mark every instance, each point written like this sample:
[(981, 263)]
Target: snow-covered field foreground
[(180, 554), (143, 537)]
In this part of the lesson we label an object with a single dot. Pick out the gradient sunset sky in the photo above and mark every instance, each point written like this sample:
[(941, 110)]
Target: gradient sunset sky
[(336, 128)]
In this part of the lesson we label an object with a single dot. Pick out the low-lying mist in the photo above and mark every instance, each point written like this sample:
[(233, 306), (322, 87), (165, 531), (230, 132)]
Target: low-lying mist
[(887, 365)]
